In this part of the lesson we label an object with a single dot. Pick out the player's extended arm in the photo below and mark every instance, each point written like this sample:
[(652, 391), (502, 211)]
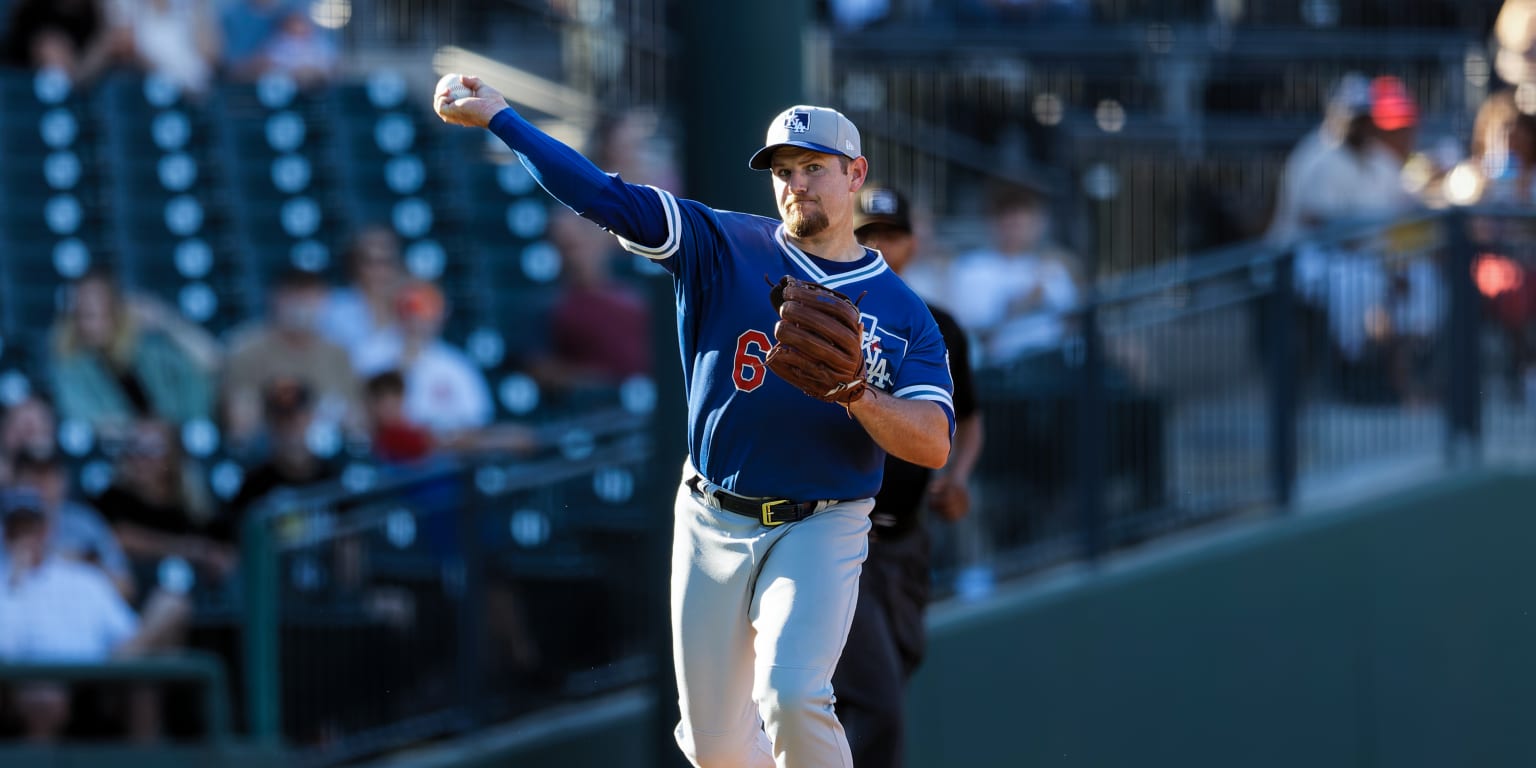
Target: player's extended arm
[(912, 430), (627, 210)]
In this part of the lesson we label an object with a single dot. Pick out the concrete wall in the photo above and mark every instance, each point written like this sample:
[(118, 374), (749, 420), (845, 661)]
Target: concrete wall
[(1400, 633)]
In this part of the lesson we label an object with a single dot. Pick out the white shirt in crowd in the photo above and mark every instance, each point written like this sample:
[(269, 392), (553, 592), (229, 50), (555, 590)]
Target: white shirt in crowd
[(62, 611), (444, 391), (985, 287), (347, 322)]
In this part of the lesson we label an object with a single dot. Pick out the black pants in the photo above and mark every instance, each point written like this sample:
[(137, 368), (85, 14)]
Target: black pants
[(885, 646)]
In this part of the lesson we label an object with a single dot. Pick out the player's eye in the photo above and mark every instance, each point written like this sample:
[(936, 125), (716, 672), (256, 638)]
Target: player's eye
[(813, 168)]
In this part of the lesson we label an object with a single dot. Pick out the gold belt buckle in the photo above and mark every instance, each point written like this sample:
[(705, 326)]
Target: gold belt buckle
[(768, 512)]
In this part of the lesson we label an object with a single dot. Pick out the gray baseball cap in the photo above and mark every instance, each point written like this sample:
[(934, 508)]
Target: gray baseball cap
[(815, 128)]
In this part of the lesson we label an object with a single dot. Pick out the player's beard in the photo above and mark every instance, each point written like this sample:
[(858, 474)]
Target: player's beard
[(804, 223)]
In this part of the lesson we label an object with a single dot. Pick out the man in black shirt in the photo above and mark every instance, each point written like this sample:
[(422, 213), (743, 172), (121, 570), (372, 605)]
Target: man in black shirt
[(886, 642)]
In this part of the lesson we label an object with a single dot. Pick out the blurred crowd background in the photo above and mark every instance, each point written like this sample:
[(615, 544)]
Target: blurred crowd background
[(296, 379)]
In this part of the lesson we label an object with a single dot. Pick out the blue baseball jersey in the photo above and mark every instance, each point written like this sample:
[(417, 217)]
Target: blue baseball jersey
[(748, 430)]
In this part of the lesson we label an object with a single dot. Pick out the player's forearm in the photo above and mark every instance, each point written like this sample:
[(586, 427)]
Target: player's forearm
[(916, 431), (629, 211), (565, 173), (969, 436)]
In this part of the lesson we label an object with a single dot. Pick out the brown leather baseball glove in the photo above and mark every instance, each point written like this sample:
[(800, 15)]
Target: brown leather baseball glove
[(818, 341)]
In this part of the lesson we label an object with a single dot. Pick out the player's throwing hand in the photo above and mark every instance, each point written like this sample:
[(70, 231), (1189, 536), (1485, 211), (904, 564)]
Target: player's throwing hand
[(474, 111)]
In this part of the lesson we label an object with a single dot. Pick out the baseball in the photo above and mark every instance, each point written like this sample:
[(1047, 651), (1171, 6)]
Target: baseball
[(453, 84)]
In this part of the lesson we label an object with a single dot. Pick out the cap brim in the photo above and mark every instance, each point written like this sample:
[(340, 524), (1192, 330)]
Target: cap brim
[(860, 222), (763, 160)]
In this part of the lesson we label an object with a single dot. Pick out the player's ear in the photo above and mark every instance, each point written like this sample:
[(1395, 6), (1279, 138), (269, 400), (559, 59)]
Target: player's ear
[(858, 171)]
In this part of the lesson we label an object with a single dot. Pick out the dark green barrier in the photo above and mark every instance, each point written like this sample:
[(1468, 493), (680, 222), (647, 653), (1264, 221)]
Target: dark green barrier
[(1396, 634), (204, 670)]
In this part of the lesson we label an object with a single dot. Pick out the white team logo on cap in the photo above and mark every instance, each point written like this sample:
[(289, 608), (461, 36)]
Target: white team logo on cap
[(880, 202), (798, 121)]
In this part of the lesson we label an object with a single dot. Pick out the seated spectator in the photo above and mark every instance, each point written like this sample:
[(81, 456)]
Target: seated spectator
[(1015, 296), (444, 391), (68, 36), (54, 609), (600, 328), (396, 440), (399, 440), (302, 50), (288, 345), (175, 39), (159, 507), (26, 427), (77, 532), (249, 26), (364, 311), (289, 409), (109, 370)]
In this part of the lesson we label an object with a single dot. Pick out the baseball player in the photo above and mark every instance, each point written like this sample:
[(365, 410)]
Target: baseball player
[(794, 397), (886, 642)]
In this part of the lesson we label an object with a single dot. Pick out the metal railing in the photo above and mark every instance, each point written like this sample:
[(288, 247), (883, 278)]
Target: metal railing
[(202, 670), (389, 609), (1255, 378)]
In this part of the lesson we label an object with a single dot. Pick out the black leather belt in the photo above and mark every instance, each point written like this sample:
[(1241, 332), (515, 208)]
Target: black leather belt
[(769, 512)]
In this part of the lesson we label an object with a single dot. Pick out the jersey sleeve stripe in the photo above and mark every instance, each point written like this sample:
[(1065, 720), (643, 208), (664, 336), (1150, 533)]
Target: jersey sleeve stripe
[(674, 231), (925, 392)]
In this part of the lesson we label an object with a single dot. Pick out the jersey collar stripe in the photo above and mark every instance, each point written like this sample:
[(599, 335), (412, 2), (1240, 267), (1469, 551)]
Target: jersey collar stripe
[(798, 256), (674, 229), (817, 273), (862, 273)]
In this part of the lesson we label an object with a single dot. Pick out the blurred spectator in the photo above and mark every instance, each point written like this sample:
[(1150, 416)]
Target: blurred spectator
[(1350, 98), (26, 427), (108, 369), (77, 532), (249, 27), (1502, 154), (302, 50), (396, 440), (175, 39), (1362, 175), (288, 344), (1016, 295), (599, 328), (54, 609), (631, 143), (68, 36), (1501, 169), (363, 312), (1514, 36), (289, 409), (444, 391), (1378, 314), (160, 507)]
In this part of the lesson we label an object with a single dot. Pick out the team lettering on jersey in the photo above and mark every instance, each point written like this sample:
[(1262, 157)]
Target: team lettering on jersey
[(880, 347)]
